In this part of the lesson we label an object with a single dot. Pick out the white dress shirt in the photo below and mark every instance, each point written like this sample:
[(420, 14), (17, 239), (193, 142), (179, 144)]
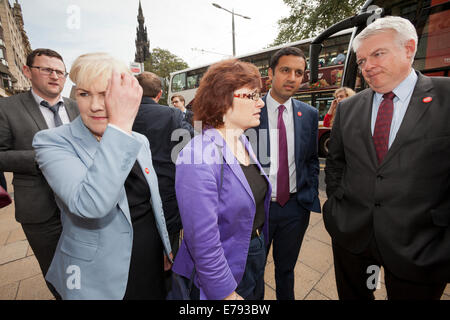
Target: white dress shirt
[(288, 118), (48, 114), (403, 94)]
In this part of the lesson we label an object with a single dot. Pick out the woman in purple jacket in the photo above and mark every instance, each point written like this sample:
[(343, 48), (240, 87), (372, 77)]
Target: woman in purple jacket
[(222, 192)]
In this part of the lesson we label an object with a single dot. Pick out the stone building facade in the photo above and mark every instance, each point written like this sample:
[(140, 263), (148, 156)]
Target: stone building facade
[(14, 49)]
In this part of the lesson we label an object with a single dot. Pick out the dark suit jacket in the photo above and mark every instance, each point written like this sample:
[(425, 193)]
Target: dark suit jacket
[(405, 201), (157, 123), (306, 155), (189, 116), (20, 119)]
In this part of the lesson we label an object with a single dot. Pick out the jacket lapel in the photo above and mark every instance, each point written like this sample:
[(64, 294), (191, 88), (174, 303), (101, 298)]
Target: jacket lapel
[(254, 159), (90, 144), (33, 109), (143, 159), (366, 131), (87, 139), (416, 110), (298, 138), (230, 159), (263, 147), (71, 109)]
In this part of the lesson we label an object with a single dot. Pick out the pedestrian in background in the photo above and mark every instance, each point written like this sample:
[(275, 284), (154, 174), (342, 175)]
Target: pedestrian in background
[(222, 192), (158, 123), (179, 103), (339, 95)]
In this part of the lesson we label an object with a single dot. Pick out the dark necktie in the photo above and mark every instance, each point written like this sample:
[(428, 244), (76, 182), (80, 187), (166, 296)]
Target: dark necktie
[(383, 126), (55, 110), (283, 167)]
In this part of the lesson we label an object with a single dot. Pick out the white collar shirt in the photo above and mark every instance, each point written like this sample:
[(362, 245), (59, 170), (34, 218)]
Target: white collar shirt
[(48, 114), (403, 93), (288, 119)]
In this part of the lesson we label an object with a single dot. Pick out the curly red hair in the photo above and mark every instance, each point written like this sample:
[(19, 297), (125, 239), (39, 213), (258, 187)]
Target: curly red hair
[(215, 93)]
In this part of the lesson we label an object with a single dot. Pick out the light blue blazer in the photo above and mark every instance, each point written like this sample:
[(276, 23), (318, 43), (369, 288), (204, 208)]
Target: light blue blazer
[(92, 258)]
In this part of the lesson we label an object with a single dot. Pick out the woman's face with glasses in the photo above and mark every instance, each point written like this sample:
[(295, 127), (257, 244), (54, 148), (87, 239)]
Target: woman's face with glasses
[(246, 109)]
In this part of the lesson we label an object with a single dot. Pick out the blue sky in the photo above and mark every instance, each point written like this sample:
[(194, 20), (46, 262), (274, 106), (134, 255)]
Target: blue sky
[(75, 27)]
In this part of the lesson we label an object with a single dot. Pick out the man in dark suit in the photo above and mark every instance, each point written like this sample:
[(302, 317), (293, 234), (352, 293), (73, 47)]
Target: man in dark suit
[(291, 162), (158, 123), (21, 116), (387, 173)]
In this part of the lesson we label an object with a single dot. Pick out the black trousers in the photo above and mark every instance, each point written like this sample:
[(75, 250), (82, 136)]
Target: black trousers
[(287, 227), (3, 180), (175, 244), (355, 278), (43, 239)]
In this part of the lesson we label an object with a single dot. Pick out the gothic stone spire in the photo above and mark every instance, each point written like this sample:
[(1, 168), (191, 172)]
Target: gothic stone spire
[(142, 42)]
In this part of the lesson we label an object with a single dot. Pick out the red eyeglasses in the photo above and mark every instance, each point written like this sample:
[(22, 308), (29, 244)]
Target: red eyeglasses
[(253, 96)]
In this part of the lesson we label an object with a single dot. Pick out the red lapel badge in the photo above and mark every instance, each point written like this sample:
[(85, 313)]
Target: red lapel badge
[(299, 114), (147, 171), (427, 99)]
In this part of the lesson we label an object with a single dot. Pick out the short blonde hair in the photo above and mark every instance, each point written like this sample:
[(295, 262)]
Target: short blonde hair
[(94, 67), (348, 92)]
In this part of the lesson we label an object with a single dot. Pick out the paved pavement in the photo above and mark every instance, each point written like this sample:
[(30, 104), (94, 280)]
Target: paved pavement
[(21, 278)]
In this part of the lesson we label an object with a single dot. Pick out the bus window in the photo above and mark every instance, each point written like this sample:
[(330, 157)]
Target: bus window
[(323, 103), (263, 66), (320, 100), (179, 82), (192, 81), (306, 98), (193, 78), (434, 40)]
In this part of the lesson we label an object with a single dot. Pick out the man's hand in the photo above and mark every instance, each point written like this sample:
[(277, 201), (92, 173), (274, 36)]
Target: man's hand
[(122, 100)]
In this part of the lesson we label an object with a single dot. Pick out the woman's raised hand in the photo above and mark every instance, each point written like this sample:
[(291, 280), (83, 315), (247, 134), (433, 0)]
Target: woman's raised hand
[(122, 100)]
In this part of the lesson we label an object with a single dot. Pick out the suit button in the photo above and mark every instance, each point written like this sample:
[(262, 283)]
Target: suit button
[(380, 177), (377, 205)]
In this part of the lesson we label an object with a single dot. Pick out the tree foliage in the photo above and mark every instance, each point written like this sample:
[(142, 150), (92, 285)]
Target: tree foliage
[(162, 62), (309, 17)]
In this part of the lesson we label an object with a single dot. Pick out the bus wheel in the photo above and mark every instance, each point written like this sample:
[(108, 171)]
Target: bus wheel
[(323, 144)]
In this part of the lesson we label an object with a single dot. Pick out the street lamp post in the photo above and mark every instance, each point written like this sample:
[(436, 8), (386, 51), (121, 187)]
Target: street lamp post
[(232, 23)]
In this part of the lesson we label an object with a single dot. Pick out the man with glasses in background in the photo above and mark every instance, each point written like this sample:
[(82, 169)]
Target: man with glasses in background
[(21, 117), (178, 102)]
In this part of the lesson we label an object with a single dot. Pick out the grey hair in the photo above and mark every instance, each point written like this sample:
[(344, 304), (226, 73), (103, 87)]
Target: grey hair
[(404, 29)]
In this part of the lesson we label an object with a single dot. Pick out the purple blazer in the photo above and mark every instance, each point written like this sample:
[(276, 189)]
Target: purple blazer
[(217, 223)]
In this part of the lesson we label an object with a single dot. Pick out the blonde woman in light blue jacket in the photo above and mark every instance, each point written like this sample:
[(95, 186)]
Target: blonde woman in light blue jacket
[(114, 233)]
